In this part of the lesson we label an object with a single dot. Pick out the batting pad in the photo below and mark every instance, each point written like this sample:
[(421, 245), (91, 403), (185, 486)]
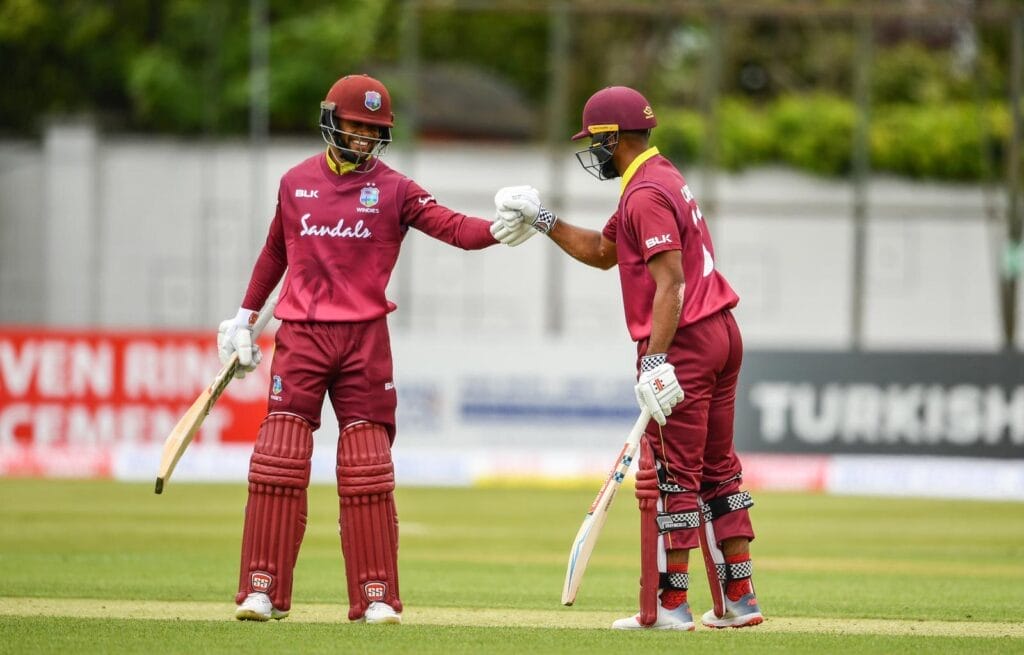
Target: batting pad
[(368, 521), (275, 515), (724, 512), (725, 505)]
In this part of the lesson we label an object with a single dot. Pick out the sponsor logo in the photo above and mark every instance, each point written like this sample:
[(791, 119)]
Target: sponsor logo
[(425, 199), (657, 241), (307, 193), (375, 591), (253, 316), (921, 414), (372, 100), (687, 194), (339, 230), (659, 385), (388, 386), (260, 581), (369, 196)]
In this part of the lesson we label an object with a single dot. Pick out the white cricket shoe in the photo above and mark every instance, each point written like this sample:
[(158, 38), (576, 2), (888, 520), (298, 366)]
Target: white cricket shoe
[(379, 612), (678, 619), (257, 607), (738, 614)]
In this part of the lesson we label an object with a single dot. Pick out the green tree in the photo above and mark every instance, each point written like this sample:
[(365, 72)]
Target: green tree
[(66, 57), (196, 75)]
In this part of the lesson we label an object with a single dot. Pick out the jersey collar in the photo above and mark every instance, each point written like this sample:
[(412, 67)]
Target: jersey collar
[(338, 169), (635, 165)]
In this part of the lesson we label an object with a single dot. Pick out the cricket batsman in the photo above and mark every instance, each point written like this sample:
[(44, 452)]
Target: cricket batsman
[(341, 217), (689, 352)]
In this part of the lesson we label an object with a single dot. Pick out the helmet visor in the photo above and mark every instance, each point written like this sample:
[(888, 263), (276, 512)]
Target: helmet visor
[(597, 159)]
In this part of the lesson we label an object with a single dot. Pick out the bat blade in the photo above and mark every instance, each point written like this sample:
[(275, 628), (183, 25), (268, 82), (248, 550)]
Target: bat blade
[(586, 538), (583, 547), (181, 436)]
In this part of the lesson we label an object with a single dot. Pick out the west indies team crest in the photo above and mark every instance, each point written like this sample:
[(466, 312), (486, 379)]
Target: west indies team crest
[(369, 196), (372, 100)]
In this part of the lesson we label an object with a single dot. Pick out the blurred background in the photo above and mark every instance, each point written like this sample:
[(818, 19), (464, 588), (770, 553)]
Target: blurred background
[(859, 165)]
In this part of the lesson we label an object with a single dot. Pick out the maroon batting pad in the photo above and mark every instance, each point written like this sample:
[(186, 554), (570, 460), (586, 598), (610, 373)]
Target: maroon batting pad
[(275, 516), (730, 519), (368, 521)]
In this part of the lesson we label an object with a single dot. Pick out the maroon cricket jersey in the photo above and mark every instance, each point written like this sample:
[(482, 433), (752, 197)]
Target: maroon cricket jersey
[(657, 212), (338, 236)]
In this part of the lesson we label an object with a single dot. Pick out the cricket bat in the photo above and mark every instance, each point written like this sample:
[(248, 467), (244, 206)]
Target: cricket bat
[(586, 538), (181, 436)]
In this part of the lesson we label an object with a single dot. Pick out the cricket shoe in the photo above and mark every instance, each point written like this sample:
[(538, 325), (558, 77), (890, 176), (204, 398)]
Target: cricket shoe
[(738, 613), (678, 619), (257, 607), (379, 612)]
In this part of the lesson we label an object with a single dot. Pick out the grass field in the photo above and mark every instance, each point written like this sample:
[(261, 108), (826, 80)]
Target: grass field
[(108, 567)]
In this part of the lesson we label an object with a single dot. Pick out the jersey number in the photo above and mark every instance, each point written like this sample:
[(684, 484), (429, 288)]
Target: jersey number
[(698, 220)]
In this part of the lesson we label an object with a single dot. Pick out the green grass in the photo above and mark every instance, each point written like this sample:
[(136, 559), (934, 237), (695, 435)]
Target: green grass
[(817, 559)]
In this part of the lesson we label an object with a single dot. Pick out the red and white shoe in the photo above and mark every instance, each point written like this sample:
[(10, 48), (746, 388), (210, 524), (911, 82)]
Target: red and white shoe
[(678, 619), (739, 613)]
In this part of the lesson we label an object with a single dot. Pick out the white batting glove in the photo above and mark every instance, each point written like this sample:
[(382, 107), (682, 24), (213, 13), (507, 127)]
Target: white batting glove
[(235, 335), (508, 226), (508, 193), (657, 388), (511, 237), (526, 201)]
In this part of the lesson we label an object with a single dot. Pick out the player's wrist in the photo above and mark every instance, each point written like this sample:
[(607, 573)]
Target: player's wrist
[(545, 220), (246, 317), (649, 363)]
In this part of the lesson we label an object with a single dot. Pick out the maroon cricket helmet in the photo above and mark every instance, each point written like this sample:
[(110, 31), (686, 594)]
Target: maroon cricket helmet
[(361, 98), (616, 109)]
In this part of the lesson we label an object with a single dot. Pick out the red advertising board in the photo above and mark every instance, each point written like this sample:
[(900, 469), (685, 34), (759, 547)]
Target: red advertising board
[(68, 398)]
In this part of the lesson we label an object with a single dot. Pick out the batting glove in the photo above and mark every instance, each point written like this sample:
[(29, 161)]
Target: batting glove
[(657, 388), (235, 335), (526, 201), (511, 236)]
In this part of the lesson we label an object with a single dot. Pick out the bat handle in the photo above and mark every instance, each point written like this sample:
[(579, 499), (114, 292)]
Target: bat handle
[(641, 424), (264, 317)]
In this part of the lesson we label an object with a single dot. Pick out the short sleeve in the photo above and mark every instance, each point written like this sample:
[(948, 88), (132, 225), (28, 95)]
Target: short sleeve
[(652, 218), (611, 228)]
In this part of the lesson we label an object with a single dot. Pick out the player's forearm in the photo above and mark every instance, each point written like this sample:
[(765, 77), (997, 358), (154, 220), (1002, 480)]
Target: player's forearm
[(668, 303), (459, 230), (267, 272), (474, 234), (582, 244)]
